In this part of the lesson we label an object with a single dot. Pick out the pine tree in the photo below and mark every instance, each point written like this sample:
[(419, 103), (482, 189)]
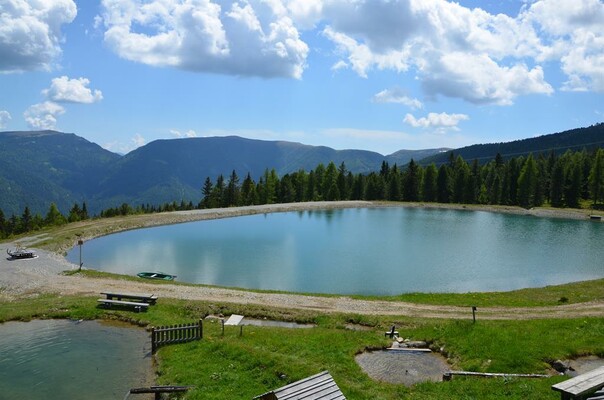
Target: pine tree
[(429, 186), (596, 178), (527, 183), (206, 191)]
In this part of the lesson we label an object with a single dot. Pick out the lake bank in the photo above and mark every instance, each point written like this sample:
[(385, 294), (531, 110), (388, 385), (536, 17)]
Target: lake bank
[(22, 279)]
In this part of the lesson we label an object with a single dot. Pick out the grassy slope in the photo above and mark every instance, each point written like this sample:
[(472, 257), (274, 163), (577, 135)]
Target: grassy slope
[(242, 367)]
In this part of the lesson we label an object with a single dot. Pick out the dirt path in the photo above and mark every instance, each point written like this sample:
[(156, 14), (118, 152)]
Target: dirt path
[(26, 278)]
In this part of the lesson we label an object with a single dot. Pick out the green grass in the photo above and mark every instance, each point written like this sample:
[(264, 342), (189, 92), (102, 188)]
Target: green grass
[(265, 358), (577, 292)]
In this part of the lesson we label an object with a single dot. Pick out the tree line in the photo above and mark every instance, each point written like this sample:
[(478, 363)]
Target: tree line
[(574, 179), (566, 180)]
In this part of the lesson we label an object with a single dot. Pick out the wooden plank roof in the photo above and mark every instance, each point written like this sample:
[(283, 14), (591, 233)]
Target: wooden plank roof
[(316, 387)]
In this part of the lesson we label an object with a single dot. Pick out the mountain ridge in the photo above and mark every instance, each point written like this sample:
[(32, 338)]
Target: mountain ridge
[(40, 167)]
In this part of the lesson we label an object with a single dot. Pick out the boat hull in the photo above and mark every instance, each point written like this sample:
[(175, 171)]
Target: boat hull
[(156, 275)]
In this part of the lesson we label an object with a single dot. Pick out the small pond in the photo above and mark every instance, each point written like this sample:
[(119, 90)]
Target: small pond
[(62, 359), (371, 251)]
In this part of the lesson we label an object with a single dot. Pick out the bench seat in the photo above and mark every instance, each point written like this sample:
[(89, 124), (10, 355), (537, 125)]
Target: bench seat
[(138, 306)]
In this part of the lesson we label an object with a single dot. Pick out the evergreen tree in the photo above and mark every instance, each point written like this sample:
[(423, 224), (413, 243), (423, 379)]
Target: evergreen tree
[(74, 213), (527, 183), (217, 197), (556, 193), (84, 214), (411, 182), (443, 181), (26, 220), (574, 180), (206, 191), (3, 230), (232, 195), (343, 187), (54, 216), (248, 191), (596, 178), (430, 186)]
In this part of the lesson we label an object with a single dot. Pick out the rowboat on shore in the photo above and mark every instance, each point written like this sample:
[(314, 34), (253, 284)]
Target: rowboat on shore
[(156, 275), (20, 253)]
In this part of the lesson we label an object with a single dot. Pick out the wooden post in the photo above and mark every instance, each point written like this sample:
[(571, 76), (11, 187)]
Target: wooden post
[(200, 328), (153, 346), (222, 321), (474, 314)]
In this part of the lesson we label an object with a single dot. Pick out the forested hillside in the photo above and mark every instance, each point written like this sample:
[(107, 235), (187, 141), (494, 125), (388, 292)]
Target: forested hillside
[(37, 168), (589, 138)]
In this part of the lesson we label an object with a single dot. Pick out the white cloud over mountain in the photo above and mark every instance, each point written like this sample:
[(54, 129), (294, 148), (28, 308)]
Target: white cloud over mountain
[(247, 38), (442, 121), (30, 33), (452, 50), (4, 118), (43, 115), (63, 89)]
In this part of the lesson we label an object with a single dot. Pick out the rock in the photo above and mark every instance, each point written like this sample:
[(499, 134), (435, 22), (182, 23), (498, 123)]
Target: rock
[(417, 344), (560, 366)]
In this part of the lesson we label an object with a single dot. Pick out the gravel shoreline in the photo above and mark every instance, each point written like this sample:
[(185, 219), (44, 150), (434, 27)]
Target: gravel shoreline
[(29, 278)]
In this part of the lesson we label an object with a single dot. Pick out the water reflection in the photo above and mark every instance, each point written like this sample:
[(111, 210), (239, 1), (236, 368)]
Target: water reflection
[(366, 251)]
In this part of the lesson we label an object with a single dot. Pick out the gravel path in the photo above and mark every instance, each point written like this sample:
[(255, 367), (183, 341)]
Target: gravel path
[(26, 278)]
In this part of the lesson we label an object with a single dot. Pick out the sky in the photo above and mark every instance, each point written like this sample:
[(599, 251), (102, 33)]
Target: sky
[(379, 75)]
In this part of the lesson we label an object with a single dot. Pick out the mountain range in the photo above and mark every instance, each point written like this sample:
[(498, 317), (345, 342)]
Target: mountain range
[(40, 167)]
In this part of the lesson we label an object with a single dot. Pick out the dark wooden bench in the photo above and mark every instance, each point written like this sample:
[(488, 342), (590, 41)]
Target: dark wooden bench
[(137, 305), (143, 297), (581, 386)]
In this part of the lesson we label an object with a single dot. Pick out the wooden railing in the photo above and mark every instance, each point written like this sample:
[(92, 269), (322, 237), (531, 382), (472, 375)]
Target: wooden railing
[(175, 334)]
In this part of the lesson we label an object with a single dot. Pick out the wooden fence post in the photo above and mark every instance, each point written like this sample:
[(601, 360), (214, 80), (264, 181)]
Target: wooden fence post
[(200, 328)]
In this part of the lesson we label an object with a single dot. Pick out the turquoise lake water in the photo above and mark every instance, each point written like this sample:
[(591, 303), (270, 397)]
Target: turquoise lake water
[(378, 251), (61, 359)]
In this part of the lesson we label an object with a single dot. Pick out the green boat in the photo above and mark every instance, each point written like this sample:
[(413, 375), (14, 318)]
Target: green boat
[(156, 275)]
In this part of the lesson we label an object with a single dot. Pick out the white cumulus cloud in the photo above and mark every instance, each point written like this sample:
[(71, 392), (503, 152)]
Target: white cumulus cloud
[(43, 115), (30, 33), (442, 121), (188, 134), (63, 89), (470, 54), (4, 118), (397, 95), (243, 38)]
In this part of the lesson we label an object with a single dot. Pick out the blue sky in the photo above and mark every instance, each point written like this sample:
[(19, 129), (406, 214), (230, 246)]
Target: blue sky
[(379, 75)]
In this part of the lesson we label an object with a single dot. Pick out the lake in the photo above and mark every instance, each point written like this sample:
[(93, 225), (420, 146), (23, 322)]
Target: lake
[(372, 251), (62, 359)]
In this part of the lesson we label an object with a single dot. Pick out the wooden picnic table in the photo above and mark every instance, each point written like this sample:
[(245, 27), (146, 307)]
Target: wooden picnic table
[(148, 298), (581, 385), (137, 305)]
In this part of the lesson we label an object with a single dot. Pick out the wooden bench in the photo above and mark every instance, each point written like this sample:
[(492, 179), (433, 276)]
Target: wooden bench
[(137, 305), (143, 297), (582, 385)]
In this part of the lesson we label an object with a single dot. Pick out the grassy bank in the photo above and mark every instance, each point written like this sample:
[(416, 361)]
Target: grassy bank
[(264, 358)]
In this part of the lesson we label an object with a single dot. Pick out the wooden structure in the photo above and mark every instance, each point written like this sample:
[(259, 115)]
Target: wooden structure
[(158, 390), (582, 386), (449, 374), (176, 334), (137, 305), (316, 387), (148, 298), (392, 333), (234, 320)]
